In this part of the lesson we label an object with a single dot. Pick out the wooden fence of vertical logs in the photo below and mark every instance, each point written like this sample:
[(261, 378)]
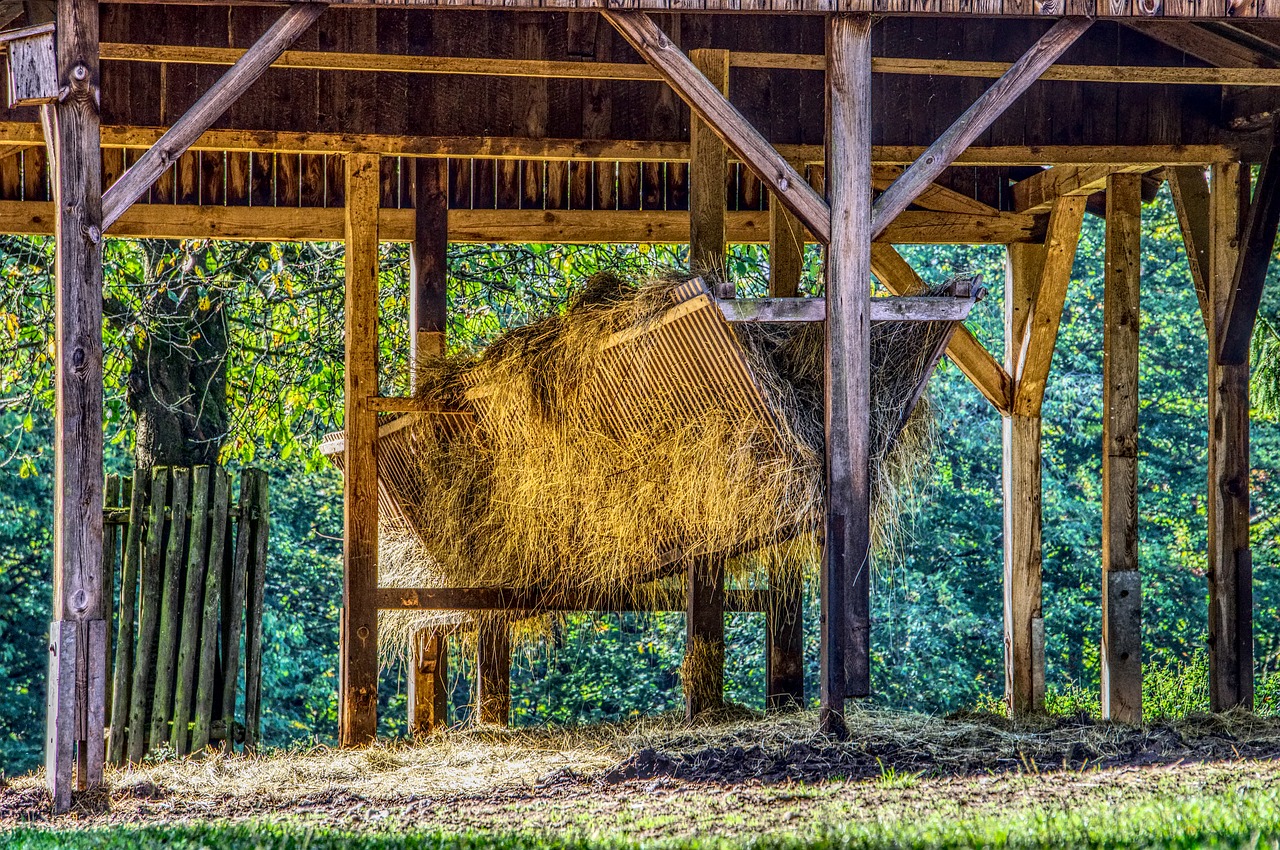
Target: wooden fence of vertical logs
[(191, 568)]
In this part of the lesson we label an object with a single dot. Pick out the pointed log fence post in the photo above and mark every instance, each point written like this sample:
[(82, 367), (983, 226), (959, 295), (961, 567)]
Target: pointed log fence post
[(846, 562), (1121, 584), (78, 639), (358, 678)]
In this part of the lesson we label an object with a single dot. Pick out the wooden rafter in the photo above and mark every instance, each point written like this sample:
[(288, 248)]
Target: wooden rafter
[(1257, 242), (1041, 327), (1190, 192), (975, 120), (1194, 40), (898, 308), (724, 119), (200, 117), (969, 355), (1038, 192)]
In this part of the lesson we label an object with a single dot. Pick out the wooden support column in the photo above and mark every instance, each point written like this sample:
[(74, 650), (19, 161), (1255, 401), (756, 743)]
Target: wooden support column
[(493, 673), (708, 169), (703, 669), (786, 249), (429, 683), (78, 639), (1023, 621), (429, 258), (1230, 561), (846, 563), (1121, 584), (358, 686)]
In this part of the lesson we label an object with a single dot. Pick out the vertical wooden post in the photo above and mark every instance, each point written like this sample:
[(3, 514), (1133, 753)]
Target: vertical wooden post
[(786, 249), (708, 169), (784, 642), (358, 679), (1230, 561), (428, 263), (846, 567), (703, 669), (493, 672), (1023, 620), (77, 679), (428, 695), (1121, 584), (428, 322)]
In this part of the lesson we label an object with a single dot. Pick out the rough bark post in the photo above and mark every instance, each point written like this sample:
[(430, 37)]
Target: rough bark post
[(1230, 561), (428, 322), (76, 719), (703, 669), (428, 264), (708, 168), (358, 686), (429, 683), (493, 673), (1023, 620), (1121, 585), (846, 566)]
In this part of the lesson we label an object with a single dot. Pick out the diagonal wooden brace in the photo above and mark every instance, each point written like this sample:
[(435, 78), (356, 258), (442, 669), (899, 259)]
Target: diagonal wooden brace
[(705, 99), (174, 143), (975, 121)]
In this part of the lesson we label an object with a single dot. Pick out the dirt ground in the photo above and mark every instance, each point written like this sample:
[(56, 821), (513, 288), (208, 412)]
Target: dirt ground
[(661, 779)]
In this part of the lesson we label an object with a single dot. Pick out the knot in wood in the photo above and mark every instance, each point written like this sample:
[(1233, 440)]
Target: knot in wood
[(80, 601), (77, 359)]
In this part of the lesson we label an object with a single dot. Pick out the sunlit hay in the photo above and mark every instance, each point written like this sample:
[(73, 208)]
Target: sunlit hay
[(701, 672), (546, 493)]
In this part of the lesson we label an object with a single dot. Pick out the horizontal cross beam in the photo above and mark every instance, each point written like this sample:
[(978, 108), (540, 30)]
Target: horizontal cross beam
[(508, 599), (920, 308)]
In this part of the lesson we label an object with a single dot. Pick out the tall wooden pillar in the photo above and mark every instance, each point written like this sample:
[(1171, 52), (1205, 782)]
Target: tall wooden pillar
[(786, 249), (703, 669), (1230, 561), (428, 702), (1023, 620), (846, 565), (78, 634), (428, 261), (493, 673), (358, 685), (1121, 585), (708, 171)]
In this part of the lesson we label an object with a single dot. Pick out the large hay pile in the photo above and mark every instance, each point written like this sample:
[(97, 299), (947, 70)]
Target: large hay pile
[(562, 486)]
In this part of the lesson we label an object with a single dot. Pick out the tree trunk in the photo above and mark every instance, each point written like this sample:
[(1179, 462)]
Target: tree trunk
[(177, 385)]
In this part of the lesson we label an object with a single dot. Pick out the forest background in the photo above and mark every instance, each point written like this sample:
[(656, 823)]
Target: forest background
[(937, 629)]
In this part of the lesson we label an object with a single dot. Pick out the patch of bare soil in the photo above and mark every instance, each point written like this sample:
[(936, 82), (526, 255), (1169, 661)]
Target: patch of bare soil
[(661, 778)]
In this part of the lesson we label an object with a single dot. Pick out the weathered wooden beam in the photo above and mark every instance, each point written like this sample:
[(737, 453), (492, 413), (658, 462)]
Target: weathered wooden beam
[(975, 120), (76, 711), (358, 689), (493, 672), (927, 308), (846, 566), (632, 150), (428, 264), (1203, 44), (1121, 582), (507, 599), (712, 106), (326, 224), (1257, 241), (784, 642), (428, 682), (1229, 70), (708, 167), (703, 668), (786, 250), (1023, 616), (208, 109), (934, 197), (1230, 559), (1041, 335), (1190, 192), (969, 355), (32, 67), (1037, 193)]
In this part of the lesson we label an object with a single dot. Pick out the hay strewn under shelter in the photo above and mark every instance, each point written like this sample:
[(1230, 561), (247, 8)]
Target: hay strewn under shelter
[(595, 452)]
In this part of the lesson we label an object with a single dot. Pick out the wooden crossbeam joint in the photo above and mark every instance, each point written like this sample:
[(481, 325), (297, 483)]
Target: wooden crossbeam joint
[(1256, 244), (1037, 193)]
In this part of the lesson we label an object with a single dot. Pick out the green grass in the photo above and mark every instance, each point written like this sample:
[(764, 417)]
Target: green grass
[(1241, 815)]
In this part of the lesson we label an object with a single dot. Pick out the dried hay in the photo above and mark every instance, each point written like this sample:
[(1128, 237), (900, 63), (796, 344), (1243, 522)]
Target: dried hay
[(547, 492)]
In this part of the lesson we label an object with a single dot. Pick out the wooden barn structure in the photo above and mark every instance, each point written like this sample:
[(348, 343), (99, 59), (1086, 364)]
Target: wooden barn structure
[(856, 124)]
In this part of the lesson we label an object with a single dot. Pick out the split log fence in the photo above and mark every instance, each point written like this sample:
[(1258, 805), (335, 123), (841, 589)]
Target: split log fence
[(190, 568)]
